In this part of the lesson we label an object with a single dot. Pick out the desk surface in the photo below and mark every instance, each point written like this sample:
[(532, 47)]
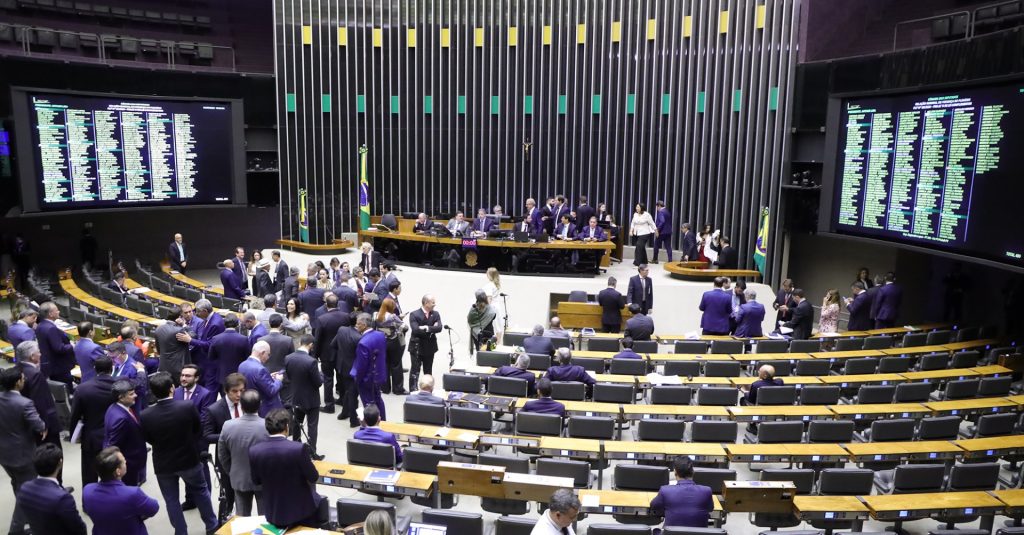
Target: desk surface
[(991, 443), (788, 450), (189, 281), (677, 410), (681, 270), (780, 410), (930, 501), (354, 473), (834, 504), (857, 354), (858, 379), (880, 408), (71, 288), (1011, 497), (867, 449), (973, 344), (970, 404), (481, 242), (669, 449)]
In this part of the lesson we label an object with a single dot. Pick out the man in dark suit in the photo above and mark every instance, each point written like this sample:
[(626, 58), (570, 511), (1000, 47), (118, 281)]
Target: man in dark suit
[(749, 316), (372, 433), (201, 399), (565, 370), (591, 232), (177, 256), (286, 473), (38, 390), (45, 504), (859, 307), (627, 349), (803, 317), (544, 404), (122, 429), (324, 331), (221, 411), (290, 285), (565, 229), (784, 302), (344, 349), (584, 212), (685, 504), (23, 329), (482, 224), (210, 325), (173, 352), (424, 324), (239, 268), (521, 370), (262, 283), (425, 393), (90, 404), (229, 280), (534, 216), (368, 258), (537, 343), (639, 327), (728, 258), (348, 299), (58, 355), (662, 222), (311, 299), (557, 211), (228, 349), (280, 271), (86, 351), (172, 427), (370, 367), (281, 345), (689, 243), (116, 507), (301, 371), (258, 378), (641, 290), (716, 304), (886, 305), (422, 223), (611, 302), (255, 329), (20, 427)]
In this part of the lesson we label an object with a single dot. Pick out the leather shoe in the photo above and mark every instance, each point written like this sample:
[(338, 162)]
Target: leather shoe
[(317, 457), (401, 392), (327, 409), (353, 423), (188, 506)]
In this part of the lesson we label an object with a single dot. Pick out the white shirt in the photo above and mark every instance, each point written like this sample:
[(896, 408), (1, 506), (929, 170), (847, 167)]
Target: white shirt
[(643, 224), (181, 251), (546, 526), (231, 410)]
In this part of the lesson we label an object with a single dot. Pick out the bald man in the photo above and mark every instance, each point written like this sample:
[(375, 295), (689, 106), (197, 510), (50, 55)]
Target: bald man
[(176, 254), (257, 377)]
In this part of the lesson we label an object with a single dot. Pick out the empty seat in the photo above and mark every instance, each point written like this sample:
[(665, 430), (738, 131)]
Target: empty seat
[(671, 395), (529, 423), (662, 430), (993, 425), (510, 525), (894, 364), (899, 429), (933, 361), (939, 428), (568, 390), (645, 346), (967, 334), (713, 431), (691, 347), (513, 339), (912, 392), (802, 478), (459, 522), (459, 382), (819, 395), (804, 346), (579, 471), (590, 364), (560, 341), (727, 347), (511, 464), (424, 461), (845, 482), (771, 346), (631, 477), (937, 338), (685, 368), (914, 478), (674, 530), (964, 359), (539, 362), (822, 431), (361, 452), (494, 359), (595, 427), (424, 413), (863, 366), (475, 418), (610, 345), (717, 395), (813, 367), (628, 367), (713, 477), (776, 395), (876, 394), (614, 393), (622, 529), (722, 368), (354, 511), (507, 386), (577, 296), (878, 342), (995, 386), (915, 339), (973, 476), (850, 344), (776, 432)]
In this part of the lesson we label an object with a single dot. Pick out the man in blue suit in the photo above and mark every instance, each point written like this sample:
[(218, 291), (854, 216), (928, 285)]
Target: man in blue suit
[(201, 398), (639, 327), (591, 232), (371, 433), (565, 370), (116, 507), (47, 506), (521, 370), (565, 229), (131, 371), (370, 369), (749, 316), (641, 290), (716, 304), (239, 268), (89, 406), (20, 428), (23, 329), (859, 307), (685, 504), (257, 377), (886, 306), (87, 351), (537, 343), (534, 216), (663, 222), (482, 224), (211, 324), (38, 390), (58, 354), (544, 404), (229, 280), (689, 243), (255, 327), (284, 470), (124, 430), (311, 299), (627, 349), (228, 350)]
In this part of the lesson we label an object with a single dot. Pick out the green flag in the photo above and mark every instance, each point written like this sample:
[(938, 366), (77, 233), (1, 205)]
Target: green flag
[(364, 190), (761, 248), (303, 217)]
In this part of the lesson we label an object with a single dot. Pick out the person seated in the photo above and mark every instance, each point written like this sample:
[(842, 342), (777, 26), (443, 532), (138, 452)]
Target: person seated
[(765, 377), (422, 223), (537, 344), (565, 370), (640, 327), (482, 224), (627, 349), (458, 225), (591, 232), (117, 283), (544, 404), (565, 230), (426, 392), (555, 329), (521, 370), (371, 433), (685, 504)]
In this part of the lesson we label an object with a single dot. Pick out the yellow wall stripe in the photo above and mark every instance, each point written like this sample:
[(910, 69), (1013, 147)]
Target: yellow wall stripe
[(478, 37), (688, 26), (342, 36), (513, 36), (723, 22), (378, 37), (410, 37), (446, 37), (652, 29), (307, 35), (761, 13), (616, 31), (581, 34), (545, 35)]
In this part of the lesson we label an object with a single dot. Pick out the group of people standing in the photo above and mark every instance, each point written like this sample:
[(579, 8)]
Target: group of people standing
[(709, 247)]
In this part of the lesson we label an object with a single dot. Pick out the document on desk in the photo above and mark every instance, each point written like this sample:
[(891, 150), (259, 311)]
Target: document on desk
[(659, 379), (442, 432), (382, 477), (590, 500), (247, 524)]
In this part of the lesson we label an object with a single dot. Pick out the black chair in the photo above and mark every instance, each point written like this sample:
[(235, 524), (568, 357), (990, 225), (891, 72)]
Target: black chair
[(460, 382), (577, 296), (670, 530), (967, 334), (638, 478), (895, 430), (459, 522), (995, 386), (713, 477), (713, 431), (878, 342), (539, 362), (475, 418), (969, 477), (813, 367), (937, 338), (915, 339), (671, 395), (965, 359), (513, 339), (494, 359), (628, 367), (772, 346), (59, 391), (536, 424), (355, 511), (423, 461), (863, 366), (845, 482), (804, 346), (619, 529), (819, 395), (994, 425), (365, 453), (776, 433), (691, 347), (894, 364), (824, 431), (507, 386), (559, 341), (579, 471), (802, 478), (609, 345), (914, 478), (661, 430), (590, 364), (592, 427), (850, 344), (727, 347), (508, 525), (645, 346), (717, 395), (783, 368), (685, 368), (569, 390), (875, 394), (511, 464), (933, 361), (776, 395), (424, 413), (614, 393), (912, 392), (939, 428), (722, 368)]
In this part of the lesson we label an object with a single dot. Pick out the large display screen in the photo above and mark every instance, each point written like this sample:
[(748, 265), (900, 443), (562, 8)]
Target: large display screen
[(91, 151), (942, 170)]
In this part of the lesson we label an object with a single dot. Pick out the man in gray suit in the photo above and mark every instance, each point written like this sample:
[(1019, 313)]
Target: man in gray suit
[(20, 426), (173, 353), (233, 449), (426, 392)]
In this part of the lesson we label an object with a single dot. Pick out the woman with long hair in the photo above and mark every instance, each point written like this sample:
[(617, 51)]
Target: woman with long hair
[(392, 325), (378, 522), (296, 323), (864, 277), (493, 291), (250, 267), (829, 322), (642, 226)]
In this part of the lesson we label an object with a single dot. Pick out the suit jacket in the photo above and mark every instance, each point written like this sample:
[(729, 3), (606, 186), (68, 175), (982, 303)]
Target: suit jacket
[(483, 225), (311, 299), (213, 421), (422, 227), (199, 347), (538, 345), (20, 426), (782, 300), (642, 295), (583, 214), (201, 398), (126, 371), (281, 345), (803, 317), (860, 312), (376, 434), (262, 284), (290, 288), (516, 373), (716, 306), (872, 296), (569, 372), (172, 427), (556, 214), (232, 286), (627, 354), (535, 219), (690, 245), (286, 473), (381, 288), (344, 348), (86, 352), (544, 406), (749, 319), (49, 508), (117, 508), (125, 432), (611, 302), (728, 258), (663, 222), (640, 327), (458, 229), (241, 274), (570, 233), (280, 275), (685, 504), (886, 305), (326, 329), (421, 396), (257, 332), (368, 262), (348, 299), (19, 332), (583, 233), (233, 446), (38, 390), (258, 378), (175, 256), (89, 406), (227, 350), (426, 342), (303, 374), (173, 354), (55, 346), (370, 366)]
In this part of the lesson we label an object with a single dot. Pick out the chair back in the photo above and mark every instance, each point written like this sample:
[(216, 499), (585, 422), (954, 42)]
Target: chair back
[(610, 345), (637, 477), (900, 429), (939, 428), (804, 346), (461, 382), (910, 478), (365, 453), (595, 427), (876, 393), (661, 430), (618, 529), (912, 392), (507, 386), (579, 471), (878, 342), (513, 338), (776, 395), (671, 395), (577, 296), (994, 425), (628, 367), (59, 391), (614, 393), (713, 431), (727, 347), (965, 359), (863, 366), (802, 478), (722, 368), (569, 390), (837, 431), (995, 386), (717, 395), (772, 346), (845, 482), (850, 344), (894, 364), (777, 432), (934, 361), (539, 362), (714, 477), (537, 424), (819, 395), (475, 418), (560, 341), (493, 359), (685, 368), (973, 476), (915, 339), (937, 338), (691, 347), (355, 511), (460, 522), (783, 368), (510, 525), (813, 367), (589, 364), (423, 461), (511, 464), (645, 346), (424, 413)]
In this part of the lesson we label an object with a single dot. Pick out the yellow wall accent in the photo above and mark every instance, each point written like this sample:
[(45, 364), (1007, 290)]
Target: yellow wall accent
[(545, 35), (342, 36), (446, 37), (410, 37), (378, 37), (761, 12), (688, 26), (513, 36), (616, 31), (478, 37), (652, 29), (307, 35), (581, 34), (723, 21)]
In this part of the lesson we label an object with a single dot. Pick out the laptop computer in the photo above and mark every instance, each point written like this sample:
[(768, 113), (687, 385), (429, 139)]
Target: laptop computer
[(542, 237), (520, 236), (415, 528)]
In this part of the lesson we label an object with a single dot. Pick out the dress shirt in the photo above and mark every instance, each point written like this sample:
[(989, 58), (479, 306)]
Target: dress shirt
[(546, 526), (181, 251)]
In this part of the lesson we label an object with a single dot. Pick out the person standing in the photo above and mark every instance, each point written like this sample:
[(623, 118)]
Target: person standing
[(230, 282), (391, 320), (859, 307), (663, 224), (172, 427), (864, 277), (368, 258), (728, 258), (344, 348), (116, 507), (689, 243), (424, 323), (173, 352), (122, 429), (58, 355), (584, 212), (641, 290), (642, 226), (829, 321), (228, 349), (262, 284), (803, 317), (304, 376), (233, 443), (176, 254), (201, 398), (46, 505), (280, 271), (281, 345), (210, 324), (784, 302), (749, 316), (88, 407), (640, 326), (886, 306), (23, 329), (716, 305), (611, 302), (224, 410), (37, 389), (240, 269), (370, 369), (20, 427), (495, 298), (481, 319), (326, 329), (257, 377), (252, 325)]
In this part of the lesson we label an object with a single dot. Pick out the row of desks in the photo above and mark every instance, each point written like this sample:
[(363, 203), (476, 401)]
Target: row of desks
[(189, 281), (71, 288), (671, 338), (163, 298)]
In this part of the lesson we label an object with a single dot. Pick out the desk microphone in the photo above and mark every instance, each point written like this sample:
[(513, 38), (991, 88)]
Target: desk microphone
[(447, 327), (503, 295)]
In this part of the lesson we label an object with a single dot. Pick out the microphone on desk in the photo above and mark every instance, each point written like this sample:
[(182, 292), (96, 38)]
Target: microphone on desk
[(447, 328), (503, 295)]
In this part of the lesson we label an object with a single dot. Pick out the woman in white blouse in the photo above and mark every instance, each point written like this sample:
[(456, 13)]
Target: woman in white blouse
[(493, 291), (295, 323), (643, 228)]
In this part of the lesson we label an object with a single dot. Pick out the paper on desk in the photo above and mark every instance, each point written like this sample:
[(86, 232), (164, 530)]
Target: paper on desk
[(785, 330), (909, 327), (590, 500), (246, 524), (63, 325), (467, 437), (592, 374), (442, 432), (140, 290), (659, 379), (692, 335)]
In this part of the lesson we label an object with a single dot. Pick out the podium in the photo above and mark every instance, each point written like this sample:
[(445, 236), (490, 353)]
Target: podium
[(758, 496)]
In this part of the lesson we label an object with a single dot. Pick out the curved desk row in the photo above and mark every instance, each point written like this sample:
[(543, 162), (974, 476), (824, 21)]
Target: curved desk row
[(189, 281), (702, 272)]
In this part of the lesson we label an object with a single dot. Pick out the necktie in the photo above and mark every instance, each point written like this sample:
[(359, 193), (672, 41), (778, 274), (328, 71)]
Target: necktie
[(135, 417), (188, 395), (236, 410)]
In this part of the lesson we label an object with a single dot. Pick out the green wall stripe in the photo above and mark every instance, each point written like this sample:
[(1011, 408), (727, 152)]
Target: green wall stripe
[(595, 104), (396, 104), (289, 102), (666, 103), (461, 104), (428, 104), (495, 105), (630, 104), (528, 105), (361, 103), (773, 98), (701, 98), (563, 104), (737, 100), (325, 103)]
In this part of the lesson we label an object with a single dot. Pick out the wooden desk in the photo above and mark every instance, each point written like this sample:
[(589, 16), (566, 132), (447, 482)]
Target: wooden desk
[(984, 343), (354, 477), (432, 435), (798, 381), (481, 401), (808, 508), (971, 407), (762, 413), (582, 408), (921, 450), (495, 482), (874, 411), (1018, 399), (581, 315), (675, 412), (576, 448), (912, 351), (681, 271), (616, 502), (940, 375), (698, 451), (227, 529), (850, 381), (486, 371), (164, 298), (749, 358), (771, 453), (493, 439), (71, 288), (889, 507), (662, 358), (992, 370), (189, 281), (1014, 500), (841, 355), (316, 248), (975, 448)]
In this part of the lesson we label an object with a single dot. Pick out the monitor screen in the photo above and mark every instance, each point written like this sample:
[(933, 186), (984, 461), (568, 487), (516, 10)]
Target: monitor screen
[(87, 151), (941, 170), (415, 528)]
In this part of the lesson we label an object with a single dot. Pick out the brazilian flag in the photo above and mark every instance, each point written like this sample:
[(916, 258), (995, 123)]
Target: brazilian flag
[(761, 249), (303, 217), (364, 190)]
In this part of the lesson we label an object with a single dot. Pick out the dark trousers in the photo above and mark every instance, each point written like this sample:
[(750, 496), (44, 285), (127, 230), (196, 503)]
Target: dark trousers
[(611, 328), (426, 362), (64, 377), (370, 393), (348, 394), (89, 474), (395, 348), (19, 476), (244, 499), (640, 253), (302, 414), (329, 368), (196, 489), (663, 240)]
